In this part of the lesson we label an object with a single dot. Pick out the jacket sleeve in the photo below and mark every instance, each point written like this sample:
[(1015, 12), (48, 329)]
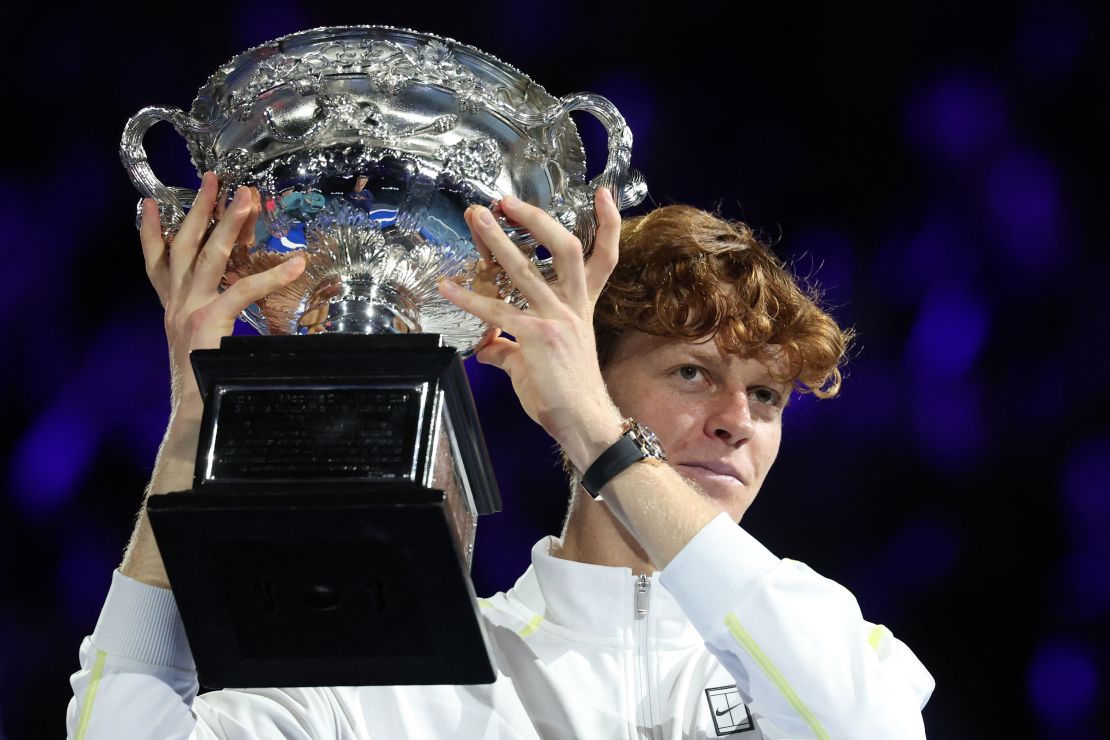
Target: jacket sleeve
[(804, 659), (138, 680)]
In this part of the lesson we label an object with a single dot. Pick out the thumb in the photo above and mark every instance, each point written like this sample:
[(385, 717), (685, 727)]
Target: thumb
[(498, 352)]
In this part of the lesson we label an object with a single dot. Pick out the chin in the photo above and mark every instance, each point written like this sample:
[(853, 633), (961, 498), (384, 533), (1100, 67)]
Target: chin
[(732, 498), (735, 509)]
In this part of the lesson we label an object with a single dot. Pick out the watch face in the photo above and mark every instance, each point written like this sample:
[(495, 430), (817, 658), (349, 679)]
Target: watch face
[(648, 442)]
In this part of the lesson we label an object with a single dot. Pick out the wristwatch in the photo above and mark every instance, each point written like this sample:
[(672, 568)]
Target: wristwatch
[(636, 443)]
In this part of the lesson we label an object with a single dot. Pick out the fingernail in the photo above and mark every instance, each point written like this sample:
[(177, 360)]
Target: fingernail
[(485, 217), (605, 195), (511, 199), (293, 264), (448, 286), (241, 195)]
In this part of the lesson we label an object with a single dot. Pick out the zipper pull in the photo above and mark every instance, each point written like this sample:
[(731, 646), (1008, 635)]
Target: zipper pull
[(643, 583)]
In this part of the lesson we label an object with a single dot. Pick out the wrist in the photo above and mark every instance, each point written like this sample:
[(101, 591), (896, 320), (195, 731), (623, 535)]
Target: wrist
[(636, 443), (182, 436), (141, 560), (595, 433)]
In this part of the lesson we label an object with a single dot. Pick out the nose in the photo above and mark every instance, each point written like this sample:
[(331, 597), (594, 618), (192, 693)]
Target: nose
[(730, 419)]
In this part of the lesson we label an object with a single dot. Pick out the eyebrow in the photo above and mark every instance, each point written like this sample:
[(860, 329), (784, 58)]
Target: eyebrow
[(700, 355), (705, 355)]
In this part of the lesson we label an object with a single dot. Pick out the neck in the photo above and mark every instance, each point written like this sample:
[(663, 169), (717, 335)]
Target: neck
[(591, 534)]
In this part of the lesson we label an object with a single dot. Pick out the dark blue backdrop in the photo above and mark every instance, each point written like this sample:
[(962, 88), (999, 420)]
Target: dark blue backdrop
[(939, 170)]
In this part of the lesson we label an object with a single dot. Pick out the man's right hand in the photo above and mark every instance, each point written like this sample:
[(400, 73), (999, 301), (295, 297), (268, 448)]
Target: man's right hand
[(187, 276)]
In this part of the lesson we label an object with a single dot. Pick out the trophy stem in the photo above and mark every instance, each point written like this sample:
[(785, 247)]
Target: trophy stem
[(359, 306)]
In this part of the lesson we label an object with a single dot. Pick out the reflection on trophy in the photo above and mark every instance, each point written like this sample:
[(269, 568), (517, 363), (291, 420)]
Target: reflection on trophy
[(341, 468)]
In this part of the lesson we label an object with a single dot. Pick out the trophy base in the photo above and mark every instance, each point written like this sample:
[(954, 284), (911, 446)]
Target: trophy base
[(358, 584)]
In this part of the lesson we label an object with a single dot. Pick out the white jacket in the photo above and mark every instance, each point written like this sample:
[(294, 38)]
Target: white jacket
[(729, 639)]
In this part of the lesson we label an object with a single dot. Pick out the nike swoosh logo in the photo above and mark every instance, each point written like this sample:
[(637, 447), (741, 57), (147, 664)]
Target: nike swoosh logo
[(723, 712)]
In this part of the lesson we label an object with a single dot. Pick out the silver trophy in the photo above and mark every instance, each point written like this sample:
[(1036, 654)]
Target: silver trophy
[(328, 535), (366, 145)]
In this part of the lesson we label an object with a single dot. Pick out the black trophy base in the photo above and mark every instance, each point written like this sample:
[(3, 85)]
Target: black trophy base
[(349, 586)]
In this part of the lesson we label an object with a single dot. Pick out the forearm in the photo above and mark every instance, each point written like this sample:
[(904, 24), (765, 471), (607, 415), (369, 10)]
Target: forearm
[(657, 506), (173, 471)]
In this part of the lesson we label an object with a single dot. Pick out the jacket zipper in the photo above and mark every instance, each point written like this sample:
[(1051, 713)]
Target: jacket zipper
[(643, 675), (643, 587)]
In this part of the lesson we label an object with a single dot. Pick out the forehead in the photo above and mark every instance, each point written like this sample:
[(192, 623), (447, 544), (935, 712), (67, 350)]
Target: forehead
[(637, 346)]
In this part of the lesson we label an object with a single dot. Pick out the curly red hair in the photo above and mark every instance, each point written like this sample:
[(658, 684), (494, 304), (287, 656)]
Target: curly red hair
[(687, 274)]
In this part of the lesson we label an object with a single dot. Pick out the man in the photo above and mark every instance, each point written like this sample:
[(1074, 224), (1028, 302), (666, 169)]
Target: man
[(654, 615)]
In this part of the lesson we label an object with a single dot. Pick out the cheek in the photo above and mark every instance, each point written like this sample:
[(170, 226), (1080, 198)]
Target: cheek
[(766, 448), (665, 415), (646, 402), (676, 425)]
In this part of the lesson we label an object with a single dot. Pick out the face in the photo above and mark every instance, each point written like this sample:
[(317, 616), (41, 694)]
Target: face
[(717, 415)]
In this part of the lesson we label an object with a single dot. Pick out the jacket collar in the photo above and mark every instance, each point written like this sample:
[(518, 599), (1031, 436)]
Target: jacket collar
[(597, 600)]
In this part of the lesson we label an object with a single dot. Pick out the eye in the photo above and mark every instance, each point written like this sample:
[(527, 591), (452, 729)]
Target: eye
[(764, 396), (689, 372)]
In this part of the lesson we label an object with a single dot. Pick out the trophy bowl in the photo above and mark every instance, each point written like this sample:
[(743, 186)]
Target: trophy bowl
[(366, 144)]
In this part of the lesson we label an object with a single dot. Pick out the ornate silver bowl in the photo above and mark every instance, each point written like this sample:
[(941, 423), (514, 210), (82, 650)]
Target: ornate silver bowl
[(366, 144)]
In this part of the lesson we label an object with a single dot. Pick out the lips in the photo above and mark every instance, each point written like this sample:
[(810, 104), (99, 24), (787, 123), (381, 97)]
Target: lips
[(716, 467)]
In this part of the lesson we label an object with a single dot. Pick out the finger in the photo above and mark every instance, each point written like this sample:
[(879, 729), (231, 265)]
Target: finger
[(487, 279), (254, 288), (212, 260), (479, 242), (489, 335), (154, 250), (498, 353), (246, 234), (521, 271), (222, 197), (186, 244), (565, 248), (606, 251), (492, 311)]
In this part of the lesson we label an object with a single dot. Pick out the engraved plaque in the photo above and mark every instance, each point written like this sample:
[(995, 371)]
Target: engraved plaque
[(315, 433)]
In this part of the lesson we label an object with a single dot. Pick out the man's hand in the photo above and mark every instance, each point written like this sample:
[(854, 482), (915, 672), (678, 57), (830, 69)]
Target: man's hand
[(555, 372), (553, 361), (187, 277)]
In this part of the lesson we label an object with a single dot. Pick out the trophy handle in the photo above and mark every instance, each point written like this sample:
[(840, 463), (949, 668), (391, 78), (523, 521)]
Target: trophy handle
[(626, 184), (172, 201)]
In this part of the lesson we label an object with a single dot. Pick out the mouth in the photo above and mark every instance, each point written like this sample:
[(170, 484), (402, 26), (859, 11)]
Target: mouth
[(710, 472)]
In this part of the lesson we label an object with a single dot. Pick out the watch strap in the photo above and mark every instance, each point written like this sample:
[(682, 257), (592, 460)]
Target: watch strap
[(621, 454)]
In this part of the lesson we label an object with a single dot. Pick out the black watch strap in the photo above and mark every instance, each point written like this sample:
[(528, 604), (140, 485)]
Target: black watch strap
[(622, 453)]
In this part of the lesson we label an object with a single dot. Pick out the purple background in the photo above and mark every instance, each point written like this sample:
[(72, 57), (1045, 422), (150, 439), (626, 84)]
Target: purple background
[(935, 169)]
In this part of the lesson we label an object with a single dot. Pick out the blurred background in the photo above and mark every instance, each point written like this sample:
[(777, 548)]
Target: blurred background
[(935, 168)]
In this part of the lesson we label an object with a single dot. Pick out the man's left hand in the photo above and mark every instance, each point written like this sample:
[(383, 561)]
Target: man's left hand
[(553, 359)]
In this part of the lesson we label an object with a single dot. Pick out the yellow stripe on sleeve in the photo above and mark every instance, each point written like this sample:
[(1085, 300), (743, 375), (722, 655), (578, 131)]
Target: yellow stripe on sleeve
[(90, 696), (741, 636), (532, 626), (878, 632)]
